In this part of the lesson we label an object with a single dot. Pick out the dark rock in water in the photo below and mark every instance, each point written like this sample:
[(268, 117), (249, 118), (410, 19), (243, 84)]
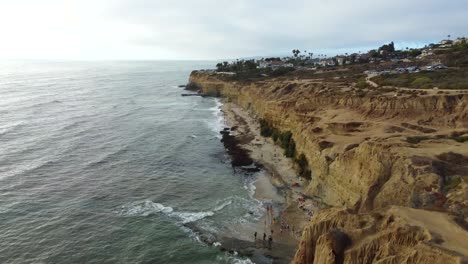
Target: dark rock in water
[(239, 156), (204, 236), (194, 94), (226, 129), (256, 251), (182, 86), (192, 87), (252, 170), (208, 239)]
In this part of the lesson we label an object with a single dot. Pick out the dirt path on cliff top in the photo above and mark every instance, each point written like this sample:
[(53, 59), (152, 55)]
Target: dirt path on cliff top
[(454, 237)]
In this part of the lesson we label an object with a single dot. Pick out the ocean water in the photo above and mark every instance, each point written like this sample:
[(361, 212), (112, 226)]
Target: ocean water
[(105, 162)]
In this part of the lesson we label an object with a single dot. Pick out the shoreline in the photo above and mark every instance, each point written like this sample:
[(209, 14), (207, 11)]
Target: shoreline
[(278, 178)]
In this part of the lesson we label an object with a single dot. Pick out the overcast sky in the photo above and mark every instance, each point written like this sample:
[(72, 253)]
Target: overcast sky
[(215, 29)]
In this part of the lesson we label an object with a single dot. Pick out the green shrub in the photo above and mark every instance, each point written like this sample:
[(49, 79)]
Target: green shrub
[(284, 139), (303, 165), (422, 82), (452, 184), (416, 139), (290, 151), (275, 135), (460, 139), (362, 83), (265, 128)]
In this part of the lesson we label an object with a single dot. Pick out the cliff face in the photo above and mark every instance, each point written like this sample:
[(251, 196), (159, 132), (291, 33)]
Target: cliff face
[(356, 158), (385, 236), (366, 153)]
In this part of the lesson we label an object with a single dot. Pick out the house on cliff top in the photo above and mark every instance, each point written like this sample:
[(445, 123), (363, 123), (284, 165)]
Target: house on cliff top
[(274, 65)]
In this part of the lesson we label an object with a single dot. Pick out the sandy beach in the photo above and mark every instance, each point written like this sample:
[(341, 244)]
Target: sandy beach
[(277, 186)]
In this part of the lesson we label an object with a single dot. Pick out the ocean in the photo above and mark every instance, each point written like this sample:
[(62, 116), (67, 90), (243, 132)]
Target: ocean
[(106, 162)]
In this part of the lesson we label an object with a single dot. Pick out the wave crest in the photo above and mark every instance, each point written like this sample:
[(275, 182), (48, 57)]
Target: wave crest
[(147, 208), (144, 208)]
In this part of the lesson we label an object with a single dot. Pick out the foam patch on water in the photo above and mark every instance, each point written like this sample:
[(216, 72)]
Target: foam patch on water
[(147, 208), (253, 208), (187, 217), (218, 124), (144, 208), (221, 205), (249, 185), (234, 259)]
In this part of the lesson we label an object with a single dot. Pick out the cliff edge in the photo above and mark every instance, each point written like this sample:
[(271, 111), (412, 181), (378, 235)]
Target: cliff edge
[(371, 156)]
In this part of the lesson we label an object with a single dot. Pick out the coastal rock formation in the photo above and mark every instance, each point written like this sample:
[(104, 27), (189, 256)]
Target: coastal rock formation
[(368, 154), (394, 235)]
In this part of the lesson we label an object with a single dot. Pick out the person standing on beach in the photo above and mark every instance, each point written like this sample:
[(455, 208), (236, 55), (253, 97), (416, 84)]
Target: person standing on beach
[(264, 236), (255, 236), (270, 242)]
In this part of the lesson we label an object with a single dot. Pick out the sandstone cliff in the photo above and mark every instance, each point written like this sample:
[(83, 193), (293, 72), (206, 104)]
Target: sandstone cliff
[(366, 153), (395, 235)]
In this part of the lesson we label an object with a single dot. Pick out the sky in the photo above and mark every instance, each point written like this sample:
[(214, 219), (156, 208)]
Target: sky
[(219, 29)]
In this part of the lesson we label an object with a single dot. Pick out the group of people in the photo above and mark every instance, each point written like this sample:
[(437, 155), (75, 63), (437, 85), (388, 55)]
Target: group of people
[(284, 226), (270, 239), (268, 224), (302, 206), (270, 220)]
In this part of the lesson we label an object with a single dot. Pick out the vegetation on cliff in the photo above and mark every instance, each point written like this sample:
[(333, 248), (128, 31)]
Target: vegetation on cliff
[(283, 139), (286, 141), (445, 79)]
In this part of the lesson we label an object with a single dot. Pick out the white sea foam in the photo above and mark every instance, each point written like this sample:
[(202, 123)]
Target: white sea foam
[(216, 244), (234, 259), (144, 208), (218, 124), (188, 217), (249, 185), (147, 208), (222, 205)]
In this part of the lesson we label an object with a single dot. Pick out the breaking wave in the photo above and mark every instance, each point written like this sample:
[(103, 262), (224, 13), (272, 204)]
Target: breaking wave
[(147, 208), (217, 124)]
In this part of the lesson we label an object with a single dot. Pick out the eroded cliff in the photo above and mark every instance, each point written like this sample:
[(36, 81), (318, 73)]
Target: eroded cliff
[(394, 235), (366, 152)]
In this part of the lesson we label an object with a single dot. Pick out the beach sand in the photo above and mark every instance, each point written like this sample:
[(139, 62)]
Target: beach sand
[(274, 186)]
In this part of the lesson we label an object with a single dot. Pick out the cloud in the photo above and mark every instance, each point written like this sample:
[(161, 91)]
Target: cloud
[(209, 29)]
